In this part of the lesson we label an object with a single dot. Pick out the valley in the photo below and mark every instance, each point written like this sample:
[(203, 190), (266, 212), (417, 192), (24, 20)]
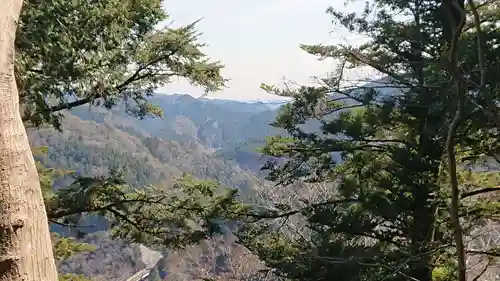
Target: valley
[(195, 137)]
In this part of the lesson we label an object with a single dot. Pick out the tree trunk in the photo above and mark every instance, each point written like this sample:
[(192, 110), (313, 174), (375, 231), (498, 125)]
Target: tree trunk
[(25, 245)]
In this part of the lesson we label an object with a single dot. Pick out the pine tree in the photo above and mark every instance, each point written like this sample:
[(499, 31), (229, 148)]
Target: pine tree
[(381, 147)]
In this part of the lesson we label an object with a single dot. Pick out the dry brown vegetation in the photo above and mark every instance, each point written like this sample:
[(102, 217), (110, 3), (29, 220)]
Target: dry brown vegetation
[(219, 258)]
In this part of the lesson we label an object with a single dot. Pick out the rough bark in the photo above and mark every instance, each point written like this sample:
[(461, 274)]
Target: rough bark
[(25, 246)]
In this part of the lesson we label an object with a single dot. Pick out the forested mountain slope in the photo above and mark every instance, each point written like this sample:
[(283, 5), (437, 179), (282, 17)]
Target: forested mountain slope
[(90, 148), (231, 129), (194, 137), (213, 123)]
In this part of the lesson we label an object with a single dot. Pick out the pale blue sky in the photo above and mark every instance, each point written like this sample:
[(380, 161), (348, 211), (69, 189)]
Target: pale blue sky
[(258, 41)]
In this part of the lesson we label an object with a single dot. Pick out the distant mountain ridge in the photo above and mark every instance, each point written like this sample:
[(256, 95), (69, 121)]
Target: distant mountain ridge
[(232, 129), (211, 125)]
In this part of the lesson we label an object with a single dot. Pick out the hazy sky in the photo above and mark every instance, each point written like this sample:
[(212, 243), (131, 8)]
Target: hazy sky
[(258, 41)]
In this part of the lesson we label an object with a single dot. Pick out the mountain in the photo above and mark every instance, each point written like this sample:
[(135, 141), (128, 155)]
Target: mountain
[(194, 137), (212, 125), (218, 123), (90, 148)]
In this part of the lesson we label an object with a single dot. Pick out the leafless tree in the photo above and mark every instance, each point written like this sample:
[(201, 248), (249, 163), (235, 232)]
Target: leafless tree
[(218, 258)]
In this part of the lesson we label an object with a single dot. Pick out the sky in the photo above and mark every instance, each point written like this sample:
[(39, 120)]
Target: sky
[(258, 41)]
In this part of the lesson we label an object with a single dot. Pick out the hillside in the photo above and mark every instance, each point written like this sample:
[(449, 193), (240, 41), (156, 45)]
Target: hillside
[(210, 139), (195, 137), (231, 129), (213, 123), (91, 148)]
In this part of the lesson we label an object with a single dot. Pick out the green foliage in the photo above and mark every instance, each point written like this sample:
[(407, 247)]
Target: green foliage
[(105, 53), (443, 273), (387, 218), (191, 211), (380, 148), (71, 52), (73, 277), (65, 247), (87, 147), (175, 216)]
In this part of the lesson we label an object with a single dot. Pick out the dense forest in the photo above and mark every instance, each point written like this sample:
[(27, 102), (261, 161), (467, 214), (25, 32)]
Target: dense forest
[(391, 179)]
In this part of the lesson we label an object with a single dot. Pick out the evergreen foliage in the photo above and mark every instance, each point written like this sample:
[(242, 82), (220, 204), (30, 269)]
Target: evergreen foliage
[(381, 147), (72, 53)]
